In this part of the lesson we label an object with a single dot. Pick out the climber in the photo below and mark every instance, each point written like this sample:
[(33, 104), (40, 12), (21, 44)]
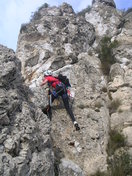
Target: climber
[(58, 89)]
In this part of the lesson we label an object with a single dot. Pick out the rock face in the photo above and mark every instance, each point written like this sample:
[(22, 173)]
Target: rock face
[(25, 147), (110, 3), (122, 81), (58, 39), (125, 35), (65, 42), (55, 35), (104, 18)]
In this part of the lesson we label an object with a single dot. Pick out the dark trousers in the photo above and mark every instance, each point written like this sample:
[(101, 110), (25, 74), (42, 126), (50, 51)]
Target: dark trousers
[(61, 91)]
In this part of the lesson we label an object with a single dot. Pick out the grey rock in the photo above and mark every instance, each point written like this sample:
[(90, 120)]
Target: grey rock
[(68, 168), (104, 18), (68, 39), (24, 128), (7, 166), (59, 39), (115, 71), (107, 2), (52, 33), (127, 134)]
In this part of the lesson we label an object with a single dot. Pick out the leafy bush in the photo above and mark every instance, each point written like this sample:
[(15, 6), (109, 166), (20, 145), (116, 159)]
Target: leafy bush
[(82, 13), (23, 28), (119, 162), (116, 141), (45, 5), (120, 165), (106, 54), (36, 15), (99, 173), (128, 10)]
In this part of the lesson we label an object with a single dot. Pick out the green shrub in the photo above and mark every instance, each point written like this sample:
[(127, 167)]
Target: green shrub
[(119, 161), (128, 10), (82, 12), (99, 173), (45, 5), (36, 15), (120, 165), (116, 141), (106, 54), (23, 28)]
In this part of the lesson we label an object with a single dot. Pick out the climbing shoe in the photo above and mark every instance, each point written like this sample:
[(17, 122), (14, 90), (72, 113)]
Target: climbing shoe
[(76, 126)]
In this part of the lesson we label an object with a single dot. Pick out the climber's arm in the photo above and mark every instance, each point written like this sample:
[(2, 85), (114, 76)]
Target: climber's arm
[(44, 82)]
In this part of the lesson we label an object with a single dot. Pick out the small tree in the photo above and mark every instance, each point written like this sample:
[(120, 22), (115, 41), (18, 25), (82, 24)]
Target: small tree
[(116, 141), (128, 10), (106, 54), (82, 12), (36, 15), (45, 5)]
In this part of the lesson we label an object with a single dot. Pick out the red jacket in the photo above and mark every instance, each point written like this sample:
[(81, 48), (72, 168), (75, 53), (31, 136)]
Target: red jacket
[(51, 81)]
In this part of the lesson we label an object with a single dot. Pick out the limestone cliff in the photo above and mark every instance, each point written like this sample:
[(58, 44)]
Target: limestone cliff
[(65, 42), (25, 144)]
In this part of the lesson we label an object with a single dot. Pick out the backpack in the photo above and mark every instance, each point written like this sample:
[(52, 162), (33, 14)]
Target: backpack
[(64, 80)]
